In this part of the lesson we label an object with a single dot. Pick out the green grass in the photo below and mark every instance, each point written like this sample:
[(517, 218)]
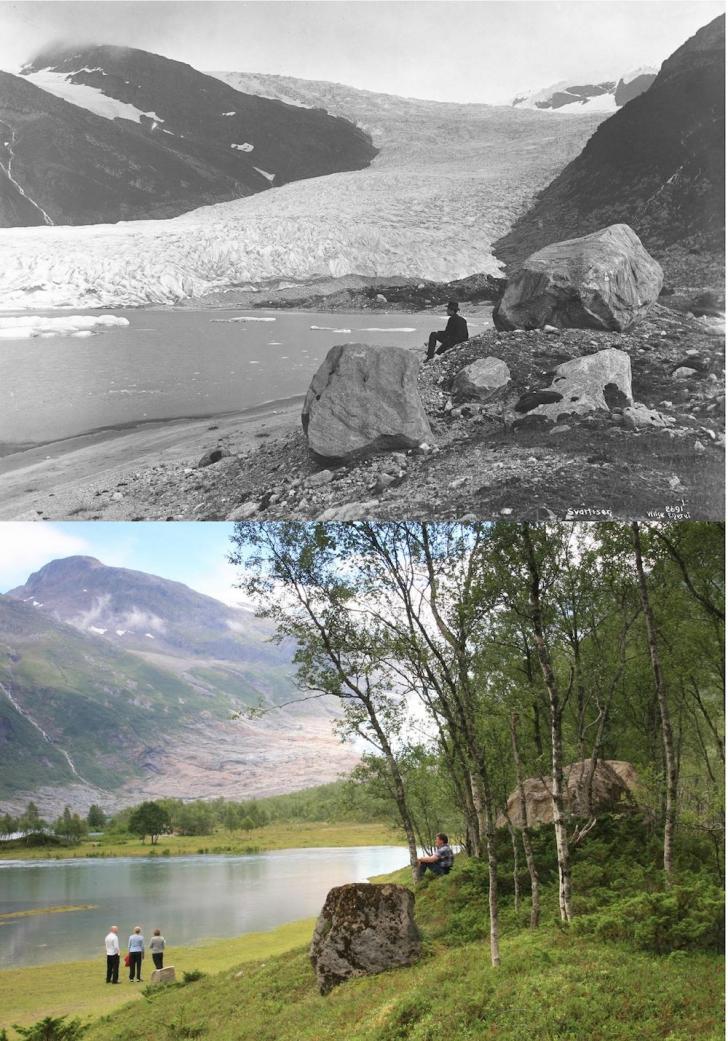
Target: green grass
[(79, 988), (271, 837), (554, 984)]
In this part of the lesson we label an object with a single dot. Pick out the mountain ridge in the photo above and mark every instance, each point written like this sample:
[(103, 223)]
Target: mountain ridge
[(658, 165), (88, 715)]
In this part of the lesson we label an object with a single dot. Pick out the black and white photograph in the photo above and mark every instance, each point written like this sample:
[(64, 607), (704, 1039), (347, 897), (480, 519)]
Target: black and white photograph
[(341, 260)]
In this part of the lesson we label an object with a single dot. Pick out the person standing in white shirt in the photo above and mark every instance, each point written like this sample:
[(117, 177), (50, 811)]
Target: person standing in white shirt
[(112, 954)]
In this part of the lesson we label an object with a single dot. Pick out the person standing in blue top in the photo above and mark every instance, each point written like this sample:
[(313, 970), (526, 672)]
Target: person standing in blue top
[(441, 860), (136, 953)]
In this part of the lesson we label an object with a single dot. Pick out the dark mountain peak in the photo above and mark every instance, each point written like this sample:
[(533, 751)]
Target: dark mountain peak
[(703, 48), (658, 165), (63, 568), (107, 133)]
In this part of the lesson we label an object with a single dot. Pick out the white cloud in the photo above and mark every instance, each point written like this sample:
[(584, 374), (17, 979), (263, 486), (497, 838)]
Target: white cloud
[(27, 546)]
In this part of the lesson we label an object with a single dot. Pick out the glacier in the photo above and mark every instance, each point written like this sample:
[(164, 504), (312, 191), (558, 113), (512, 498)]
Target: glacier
[(448, 181)]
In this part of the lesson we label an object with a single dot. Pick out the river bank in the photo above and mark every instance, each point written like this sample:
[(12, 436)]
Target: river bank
[(77, 988), (266, 839), (481, 461)]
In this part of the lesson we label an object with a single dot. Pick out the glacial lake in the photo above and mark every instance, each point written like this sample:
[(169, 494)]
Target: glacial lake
[(188, 898), (171, 363)]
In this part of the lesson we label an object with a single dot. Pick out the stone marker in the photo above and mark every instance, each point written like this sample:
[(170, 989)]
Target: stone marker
[(583, 385), (165, 975), (363, 929), (606, 280), (363, 399), (480, 380)]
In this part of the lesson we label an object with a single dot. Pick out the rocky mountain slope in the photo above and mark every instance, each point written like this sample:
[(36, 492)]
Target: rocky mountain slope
[(606, 96), (658, 165), (116, 685), (113, 133)]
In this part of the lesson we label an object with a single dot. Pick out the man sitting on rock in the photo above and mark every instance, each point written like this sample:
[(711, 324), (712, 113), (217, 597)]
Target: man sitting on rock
[(456, 331), (441, 860)]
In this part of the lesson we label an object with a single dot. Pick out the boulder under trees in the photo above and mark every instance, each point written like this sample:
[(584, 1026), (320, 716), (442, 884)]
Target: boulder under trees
[(589, 789), (605, 280), (363, 929), (364, 398)]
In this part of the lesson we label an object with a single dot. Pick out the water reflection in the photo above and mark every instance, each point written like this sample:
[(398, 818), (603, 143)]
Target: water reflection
[(188, 898)]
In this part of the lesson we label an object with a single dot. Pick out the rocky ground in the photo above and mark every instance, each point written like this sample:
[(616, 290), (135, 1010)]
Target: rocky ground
[(486, 460)]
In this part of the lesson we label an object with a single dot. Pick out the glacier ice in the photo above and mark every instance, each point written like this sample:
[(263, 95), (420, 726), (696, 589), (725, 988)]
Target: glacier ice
[(449, 180)]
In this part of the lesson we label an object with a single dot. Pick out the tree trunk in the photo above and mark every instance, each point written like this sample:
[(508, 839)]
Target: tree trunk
[(516, 868), (671, 773), (525, 837), (557, 754)]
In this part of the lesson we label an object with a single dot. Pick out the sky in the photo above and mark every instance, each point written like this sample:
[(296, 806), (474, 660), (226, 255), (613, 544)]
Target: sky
[(447, 50), (194, 553)]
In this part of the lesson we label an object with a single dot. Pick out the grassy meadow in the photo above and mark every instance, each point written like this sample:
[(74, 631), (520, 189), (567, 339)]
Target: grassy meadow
[(283, 835), (638, 962)]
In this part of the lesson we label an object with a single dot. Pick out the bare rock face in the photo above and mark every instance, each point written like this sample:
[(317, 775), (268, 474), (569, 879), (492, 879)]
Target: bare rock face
[(606, 280), (363, 929), (595, 381), (610, 786), (480, 380), (363, 399)]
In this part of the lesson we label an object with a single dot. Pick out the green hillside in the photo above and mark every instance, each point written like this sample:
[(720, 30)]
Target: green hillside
[(106, 707), (553, 983)]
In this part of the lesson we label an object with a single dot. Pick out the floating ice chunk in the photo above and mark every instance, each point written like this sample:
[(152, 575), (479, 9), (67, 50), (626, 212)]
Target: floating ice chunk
[(328, 329), (245, 147), (243, 318), (22, 327), (82, 334), (264, 173), (275, 343), (228, 113)]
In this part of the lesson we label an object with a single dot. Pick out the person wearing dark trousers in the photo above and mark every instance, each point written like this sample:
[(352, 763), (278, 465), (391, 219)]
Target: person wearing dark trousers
[(156, 946), (440, 862), (456, 331), (136, 953), (112, 954)]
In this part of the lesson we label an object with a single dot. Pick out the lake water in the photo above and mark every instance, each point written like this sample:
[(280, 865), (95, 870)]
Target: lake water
[(188, 898), (176, 363)]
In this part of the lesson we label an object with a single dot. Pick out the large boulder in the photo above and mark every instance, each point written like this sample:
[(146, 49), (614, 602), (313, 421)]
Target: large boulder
[(363, 929), (594, 381), (481, 380), (609, 786), (364, 398), (606, 280), (165, 975)]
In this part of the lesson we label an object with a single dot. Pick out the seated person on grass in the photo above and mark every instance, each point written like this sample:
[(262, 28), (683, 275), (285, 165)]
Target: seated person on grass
[(441, 860)]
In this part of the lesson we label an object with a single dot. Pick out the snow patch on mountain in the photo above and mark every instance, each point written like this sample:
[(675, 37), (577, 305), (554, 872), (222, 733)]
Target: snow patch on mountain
[(90, 98), (245, 147), (644, 70)]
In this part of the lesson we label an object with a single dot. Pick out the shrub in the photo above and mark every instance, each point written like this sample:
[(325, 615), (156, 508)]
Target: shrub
[(53, 1028), (193, 976), (683, 918)]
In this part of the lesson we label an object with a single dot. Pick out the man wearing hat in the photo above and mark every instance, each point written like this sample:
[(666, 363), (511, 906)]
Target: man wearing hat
[(456, 331)]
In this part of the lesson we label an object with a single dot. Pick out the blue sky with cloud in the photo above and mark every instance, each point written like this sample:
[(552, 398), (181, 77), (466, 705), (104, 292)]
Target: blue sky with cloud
[(194, 553)]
